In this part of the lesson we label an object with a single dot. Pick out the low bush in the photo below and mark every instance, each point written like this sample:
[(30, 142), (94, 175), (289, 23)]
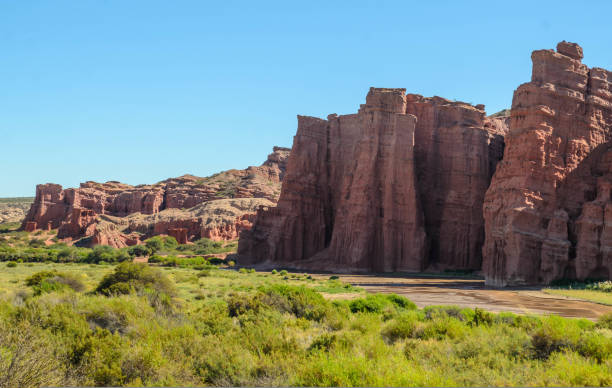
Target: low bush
[(49, 281), (605, 321), (554, 335), (107, 254), (138, 277), (155, 244), (376, 303), (402, 327), (138, 250), (197, 262)]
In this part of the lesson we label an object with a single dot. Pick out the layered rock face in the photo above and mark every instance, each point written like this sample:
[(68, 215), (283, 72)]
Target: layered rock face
[(396, 187), (117, 214), (547, 211)]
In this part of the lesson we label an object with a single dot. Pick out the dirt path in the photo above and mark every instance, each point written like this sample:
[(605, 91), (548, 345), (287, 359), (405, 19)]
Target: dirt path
[(472, 293)]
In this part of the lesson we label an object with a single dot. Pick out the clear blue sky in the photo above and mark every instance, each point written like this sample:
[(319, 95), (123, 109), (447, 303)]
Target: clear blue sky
[(139, 91)]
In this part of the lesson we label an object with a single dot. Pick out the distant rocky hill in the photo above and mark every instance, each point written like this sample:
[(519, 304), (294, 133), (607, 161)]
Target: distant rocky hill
[(187, 207), (14, 209)]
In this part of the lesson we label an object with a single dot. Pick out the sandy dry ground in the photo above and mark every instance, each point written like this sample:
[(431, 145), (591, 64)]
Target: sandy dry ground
[(472, 293)]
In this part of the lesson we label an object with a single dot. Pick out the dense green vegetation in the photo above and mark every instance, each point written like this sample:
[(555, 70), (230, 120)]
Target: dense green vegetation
[(134, 324), (79, 316), (22, 246)]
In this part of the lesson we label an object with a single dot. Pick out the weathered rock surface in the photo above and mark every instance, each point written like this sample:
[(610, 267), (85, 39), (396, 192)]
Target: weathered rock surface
[(101, 210), (14, 209), (396, 187), (547, 211)]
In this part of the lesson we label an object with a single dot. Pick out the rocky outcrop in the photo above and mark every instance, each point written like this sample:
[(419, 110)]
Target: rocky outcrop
[(96, 210), (14, 209), (396, 187), (547, 211)]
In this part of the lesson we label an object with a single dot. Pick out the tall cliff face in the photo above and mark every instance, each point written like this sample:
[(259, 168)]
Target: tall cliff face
[(387, 189), (547, 208), (456, 151), (118, 214)]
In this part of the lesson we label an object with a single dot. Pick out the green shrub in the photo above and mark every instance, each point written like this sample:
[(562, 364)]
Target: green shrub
[(239, 304), (283, 273), (136, 276), (300, 301), (605, 321), (401, 327), (324, 342), (107, 254), (554, 335), (170, 243), (482, 317), (432, 312), (595, 345), (70, 280), (243, 270), (36, 243), (440, 328), (334, 277), (49, 281), (155, 244), (138, 250), (28, 357), (376, 303), (274, 272), (38, 277), (11, 264)]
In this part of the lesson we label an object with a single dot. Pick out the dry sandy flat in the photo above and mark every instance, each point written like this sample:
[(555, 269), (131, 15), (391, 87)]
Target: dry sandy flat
[(473, 293)]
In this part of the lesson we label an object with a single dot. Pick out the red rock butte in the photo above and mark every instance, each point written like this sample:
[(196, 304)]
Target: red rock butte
[(399, 186), (548, 213), (405, 184), (188, 207)]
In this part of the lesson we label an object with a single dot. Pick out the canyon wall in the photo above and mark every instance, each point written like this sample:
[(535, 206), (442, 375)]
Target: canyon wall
[(398, 186), (118, 214), (547, 211)]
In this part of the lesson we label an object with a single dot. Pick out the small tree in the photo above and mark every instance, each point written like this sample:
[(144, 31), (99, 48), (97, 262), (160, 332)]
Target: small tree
[(138, 250), (155, 244)]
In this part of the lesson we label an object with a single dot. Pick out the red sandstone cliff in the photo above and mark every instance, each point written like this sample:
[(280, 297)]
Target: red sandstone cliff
[(98, 210), (548, 209), (396, 187)]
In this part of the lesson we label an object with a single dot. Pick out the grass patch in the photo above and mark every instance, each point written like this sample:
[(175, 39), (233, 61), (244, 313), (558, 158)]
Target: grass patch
[(601, 297), (183, 326)]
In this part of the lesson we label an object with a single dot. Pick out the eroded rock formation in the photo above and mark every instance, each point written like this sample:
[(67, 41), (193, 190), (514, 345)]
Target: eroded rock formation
[(396, 187), (117, 214), (548, 209)]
